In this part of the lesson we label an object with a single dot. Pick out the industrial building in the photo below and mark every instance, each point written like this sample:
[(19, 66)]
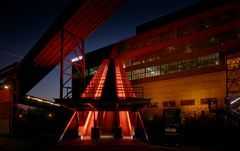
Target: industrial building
[(183, 59), (186, 65)]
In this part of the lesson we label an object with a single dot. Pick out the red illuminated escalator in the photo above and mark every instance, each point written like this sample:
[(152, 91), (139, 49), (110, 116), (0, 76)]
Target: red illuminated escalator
[(108, 123), (125, 123)]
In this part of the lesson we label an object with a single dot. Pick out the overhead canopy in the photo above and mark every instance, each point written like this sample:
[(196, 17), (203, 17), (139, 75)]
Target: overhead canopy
[(78, 21)]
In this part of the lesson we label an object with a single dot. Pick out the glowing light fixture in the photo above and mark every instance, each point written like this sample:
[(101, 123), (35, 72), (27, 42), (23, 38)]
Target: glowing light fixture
[(50, 115), (234, 101), (87, 121), (42, 101), (6, 87), (77, 59)]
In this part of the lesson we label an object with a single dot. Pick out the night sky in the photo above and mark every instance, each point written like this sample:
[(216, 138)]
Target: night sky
[(23, 22)]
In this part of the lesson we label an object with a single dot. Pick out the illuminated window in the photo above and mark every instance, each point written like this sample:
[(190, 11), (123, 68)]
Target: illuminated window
[(174, 67), (136, 63), (93, 70), (200, 25), (129, 74), (169, 68), (209, 60), (152, 71), (138, 74), (189, 47), (164, 68)]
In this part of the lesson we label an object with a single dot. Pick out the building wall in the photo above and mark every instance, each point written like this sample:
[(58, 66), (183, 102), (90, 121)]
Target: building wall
[(4, 111), (203, 86), (188, 45), (182, 61)]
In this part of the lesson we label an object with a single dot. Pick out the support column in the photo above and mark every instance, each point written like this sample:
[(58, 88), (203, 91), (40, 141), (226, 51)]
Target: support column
[(83, 63), (61, 65), (77, 123)]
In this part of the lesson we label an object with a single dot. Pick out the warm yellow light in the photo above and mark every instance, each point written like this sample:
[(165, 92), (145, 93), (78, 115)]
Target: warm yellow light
[(50, 115), (6, 87)]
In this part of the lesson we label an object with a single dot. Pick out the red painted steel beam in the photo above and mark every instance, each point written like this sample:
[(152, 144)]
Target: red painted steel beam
[(92, 14), (81, 18)]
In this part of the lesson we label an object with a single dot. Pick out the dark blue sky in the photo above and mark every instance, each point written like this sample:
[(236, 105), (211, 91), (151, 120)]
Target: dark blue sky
[(22, 23)]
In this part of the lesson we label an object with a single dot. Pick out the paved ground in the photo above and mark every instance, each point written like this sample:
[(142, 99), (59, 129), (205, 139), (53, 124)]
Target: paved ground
[(9, 144), (118, 145)]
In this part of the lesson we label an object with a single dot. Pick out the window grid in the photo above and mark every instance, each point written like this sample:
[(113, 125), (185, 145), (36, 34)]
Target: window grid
[(174, 67), (189, 47), (201, 25)]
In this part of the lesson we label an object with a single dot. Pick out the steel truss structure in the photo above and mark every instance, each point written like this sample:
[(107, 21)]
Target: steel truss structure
[(233, 75), (233, 80), (77, 61), (109, 103)]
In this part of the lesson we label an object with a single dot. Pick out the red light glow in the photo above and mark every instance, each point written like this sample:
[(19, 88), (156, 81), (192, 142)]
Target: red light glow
[(85, 130), (123, 85), (125, 123), (119, 82), (94, 89)]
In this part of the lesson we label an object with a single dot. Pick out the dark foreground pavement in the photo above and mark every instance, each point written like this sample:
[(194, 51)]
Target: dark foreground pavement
[(43, 144), (119, 145), (25, 143)]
